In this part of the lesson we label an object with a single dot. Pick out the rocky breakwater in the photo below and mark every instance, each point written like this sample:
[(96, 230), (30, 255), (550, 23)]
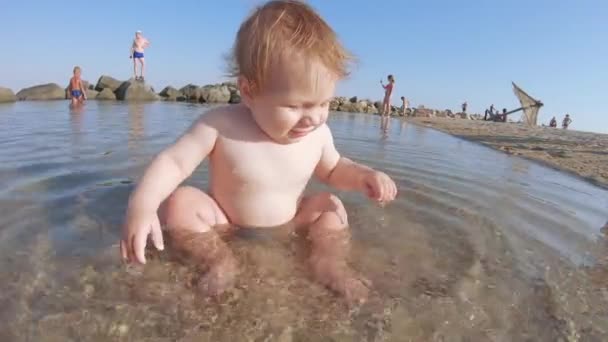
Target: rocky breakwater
[(354, 105), (7, 95), (110, 88), (212, 93), (43, 92)]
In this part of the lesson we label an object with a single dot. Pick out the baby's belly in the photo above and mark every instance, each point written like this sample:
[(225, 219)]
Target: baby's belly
[(260, 209)]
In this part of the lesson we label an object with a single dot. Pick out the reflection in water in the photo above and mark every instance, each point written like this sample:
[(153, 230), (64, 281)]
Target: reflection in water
[(136, 124), (478, 246)]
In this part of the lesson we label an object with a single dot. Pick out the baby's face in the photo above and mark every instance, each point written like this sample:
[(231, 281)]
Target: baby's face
[(295, 100)]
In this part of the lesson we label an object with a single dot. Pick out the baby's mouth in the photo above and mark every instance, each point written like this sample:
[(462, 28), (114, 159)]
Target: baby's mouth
[(300, 132)]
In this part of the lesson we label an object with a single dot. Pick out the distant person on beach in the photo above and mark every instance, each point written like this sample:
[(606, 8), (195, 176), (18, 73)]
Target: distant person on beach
[(553, 122), (261, 155), (76, 89), (137, 54), (464, 107), (388, 92), (566, 122), (405, 105)]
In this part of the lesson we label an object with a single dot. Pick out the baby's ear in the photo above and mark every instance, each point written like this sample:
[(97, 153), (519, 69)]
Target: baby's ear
[(246, 89)]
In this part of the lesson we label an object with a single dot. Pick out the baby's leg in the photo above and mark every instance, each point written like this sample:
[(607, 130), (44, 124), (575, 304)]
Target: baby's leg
[(189, 216), (328, 232)]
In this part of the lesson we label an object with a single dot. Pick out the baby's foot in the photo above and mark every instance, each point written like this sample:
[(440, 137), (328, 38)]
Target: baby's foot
[(220, 276), (337, 276)]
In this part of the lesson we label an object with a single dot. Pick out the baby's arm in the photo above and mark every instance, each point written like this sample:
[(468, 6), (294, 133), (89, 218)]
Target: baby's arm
[(173, 165), (337, 171)]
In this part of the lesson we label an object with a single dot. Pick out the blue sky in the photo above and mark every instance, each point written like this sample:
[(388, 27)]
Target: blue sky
[(441, 52)]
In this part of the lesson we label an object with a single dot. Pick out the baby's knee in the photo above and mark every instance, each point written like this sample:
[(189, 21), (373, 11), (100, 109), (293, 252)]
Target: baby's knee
[(331, 204), (186, 208)]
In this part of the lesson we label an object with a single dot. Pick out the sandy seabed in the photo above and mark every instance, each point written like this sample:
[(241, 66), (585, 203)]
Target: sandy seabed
[(584, 154)]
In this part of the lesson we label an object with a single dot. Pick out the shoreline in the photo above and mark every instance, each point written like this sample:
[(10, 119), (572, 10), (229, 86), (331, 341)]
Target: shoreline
[(580, 154)]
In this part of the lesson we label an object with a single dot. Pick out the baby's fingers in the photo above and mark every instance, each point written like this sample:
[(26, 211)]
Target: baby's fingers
[(139, 246), (123, 251), (157, 236)]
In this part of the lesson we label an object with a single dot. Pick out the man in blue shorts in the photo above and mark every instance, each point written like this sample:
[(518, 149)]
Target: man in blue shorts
[(137, 53)]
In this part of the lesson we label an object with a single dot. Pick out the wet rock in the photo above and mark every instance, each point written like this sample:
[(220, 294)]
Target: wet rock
[(217, 93), (191, 92), (132, 90), (235, 97), (7, 95), (348, 107), (334, 105), (108, 82), (106, 94), (49, 91), (170, 94), (92, 94)]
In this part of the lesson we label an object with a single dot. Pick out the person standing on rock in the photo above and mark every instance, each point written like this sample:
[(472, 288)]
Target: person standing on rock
[(388, 91), (464, 107), (405, 105), (567, 121), (137, 53), (553, 122)]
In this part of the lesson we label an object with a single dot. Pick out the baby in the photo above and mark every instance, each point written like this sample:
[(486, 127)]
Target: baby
[(262, 154)]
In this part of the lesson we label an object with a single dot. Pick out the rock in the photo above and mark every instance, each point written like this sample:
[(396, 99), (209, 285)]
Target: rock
[(353, 99), (378, 104), (170, 93), (192, 92), (361, 106), (92, 94), (132, 90), (215, 94), (334, 104), (422, 112), (108, 82), (348, 107), (7, 95), (442, 114), (341, 100), (49, 91), (235, 96), (106, 94)]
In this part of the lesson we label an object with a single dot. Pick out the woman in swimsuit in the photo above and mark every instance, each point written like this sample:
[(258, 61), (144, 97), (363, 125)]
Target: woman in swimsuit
[(388, 91)]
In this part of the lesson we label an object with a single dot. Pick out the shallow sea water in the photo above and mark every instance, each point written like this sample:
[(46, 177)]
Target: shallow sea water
[(478, 246)]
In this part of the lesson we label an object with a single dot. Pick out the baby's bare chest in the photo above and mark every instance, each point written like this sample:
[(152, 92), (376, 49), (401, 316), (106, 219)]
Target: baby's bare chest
[(266, 163)]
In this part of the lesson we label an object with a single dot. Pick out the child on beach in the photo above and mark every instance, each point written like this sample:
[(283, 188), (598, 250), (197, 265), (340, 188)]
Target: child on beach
[(137, 53), (76, 89), (405, 104), (262, 154), (388, 92)]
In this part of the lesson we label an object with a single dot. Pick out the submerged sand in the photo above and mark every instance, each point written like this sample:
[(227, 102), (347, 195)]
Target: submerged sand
[(584, 154)]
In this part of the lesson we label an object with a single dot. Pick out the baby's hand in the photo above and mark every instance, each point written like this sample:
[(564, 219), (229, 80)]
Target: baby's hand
[(379, 187), (138, 225)]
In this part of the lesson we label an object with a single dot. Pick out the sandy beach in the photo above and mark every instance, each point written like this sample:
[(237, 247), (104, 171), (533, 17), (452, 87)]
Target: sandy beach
[(583, 154)]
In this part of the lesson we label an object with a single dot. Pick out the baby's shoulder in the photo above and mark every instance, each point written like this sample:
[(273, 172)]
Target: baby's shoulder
[(228, 119)]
